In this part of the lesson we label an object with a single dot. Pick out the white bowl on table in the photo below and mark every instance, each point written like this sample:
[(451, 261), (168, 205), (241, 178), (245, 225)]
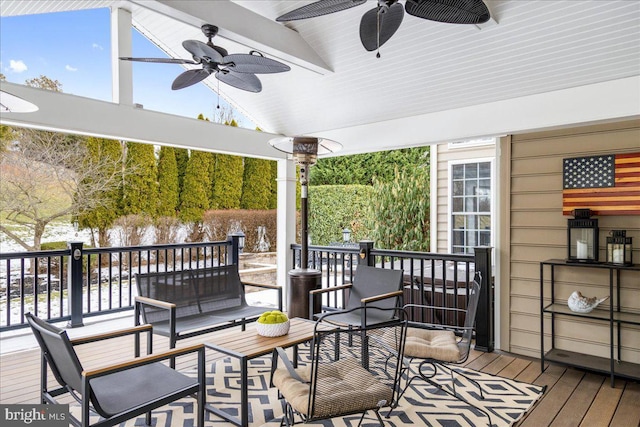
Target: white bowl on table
[(273, 329)]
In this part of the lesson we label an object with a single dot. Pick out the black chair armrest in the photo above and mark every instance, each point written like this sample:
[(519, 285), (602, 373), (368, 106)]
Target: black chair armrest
[(137, 330), (140, 301), (331, 289), (374, 298), (268, 286), (315, 292), (155, 302), (113, 334), (172, 354)]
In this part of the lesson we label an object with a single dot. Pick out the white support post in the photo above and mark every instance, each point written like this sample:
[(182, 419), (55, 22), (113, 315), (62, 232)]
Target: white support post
[(121, 71), (286, 219)]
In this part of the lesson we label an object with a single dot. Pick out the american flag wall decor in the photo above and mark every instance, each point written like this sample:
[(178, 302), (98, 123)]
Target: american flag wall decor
[(607, 184)]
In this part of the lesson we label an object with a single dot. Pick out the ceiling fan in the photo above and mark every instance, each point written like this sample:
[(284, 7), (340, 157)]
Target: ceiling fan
[(380, 23), (238, 70)]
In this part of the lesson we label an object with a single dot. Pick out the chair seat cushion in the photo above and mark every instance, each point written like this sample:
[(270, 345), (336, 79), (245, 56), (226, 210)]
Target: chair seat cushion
[(122, 391), (343, 387), (431, 344)]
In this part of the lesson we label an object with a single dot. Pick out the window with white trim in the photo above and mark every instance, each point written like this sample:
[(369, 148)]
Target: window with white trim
[(470, 206)]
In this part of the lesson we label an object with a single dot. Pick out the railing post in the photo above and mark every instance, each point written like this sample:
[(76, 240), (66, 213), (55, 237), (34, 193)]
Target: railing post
[(74, 283), (237, 245), (484, 314), (365, 257)]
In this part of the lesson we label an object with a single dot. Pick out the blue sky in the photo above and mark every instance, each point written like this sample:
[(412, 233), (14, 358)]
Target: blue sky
[(74, 48)]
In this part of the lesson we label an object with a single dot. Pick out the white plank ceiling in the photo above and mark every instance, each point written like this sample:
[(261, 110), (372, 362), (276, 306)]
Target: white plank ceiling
[(536, 47)]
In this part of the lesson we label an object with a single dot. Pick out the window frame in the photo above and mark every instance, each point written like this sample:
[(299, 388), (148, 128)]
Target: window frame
[(492, 202)]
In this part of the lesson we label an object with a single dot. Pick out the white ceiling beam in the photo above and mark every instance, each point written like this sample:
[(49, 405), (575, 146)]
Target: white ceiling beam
[(245, 27), (589, 104), (84, 116)]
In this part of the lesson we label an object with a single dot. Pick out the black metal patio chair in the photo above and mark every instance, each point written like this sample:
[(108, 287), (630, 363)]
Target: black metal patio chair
[(372, 286), (332, 385), (118, 392), (442, 347)]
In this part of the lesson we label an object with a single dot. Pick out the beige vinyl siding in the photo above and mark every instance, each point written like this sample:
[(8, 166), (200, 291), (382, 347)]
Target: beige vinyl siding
[(533, 229), (445, 156)]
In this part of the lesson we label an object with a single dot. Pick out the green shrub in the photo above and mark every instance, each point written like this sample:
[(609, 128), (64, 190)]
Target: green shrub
[(334, 207), (400, 212)]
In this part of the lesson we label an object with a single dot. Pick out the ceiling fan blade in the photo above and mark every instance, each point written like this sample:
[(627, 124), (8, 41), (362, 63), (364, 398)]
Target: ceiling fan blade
[(160, 60), (449, 11), (202, 51), (254, 64), (188, 78), (244, 81), (390, 20), (319, 8)]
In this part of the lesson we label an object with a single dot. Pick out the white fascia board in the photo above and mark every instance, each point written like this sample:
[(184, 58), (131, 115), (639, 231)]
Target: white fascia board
[(243, 26), (84, 116), (589, 104)]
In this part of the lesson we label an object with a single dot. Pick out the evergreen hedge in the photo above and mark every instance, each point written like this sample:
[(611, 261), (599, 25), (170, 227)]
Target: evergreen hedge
[(168, 185), (140, 189), (194, 199), (256, 184), (334, 207)]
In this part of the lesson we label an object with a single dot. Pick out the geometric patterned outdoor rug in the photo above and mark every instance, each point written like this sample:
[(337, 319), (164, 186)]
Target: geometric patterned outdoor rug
[(422, 405)]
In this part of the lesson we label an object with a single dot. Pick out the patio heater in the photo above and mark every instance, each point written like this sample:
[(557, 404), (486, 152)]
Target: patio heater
[(304, 151)]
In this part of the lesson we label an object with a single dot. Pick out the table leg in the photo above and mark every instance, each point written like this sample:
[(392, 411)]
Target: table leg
[(244, 393)]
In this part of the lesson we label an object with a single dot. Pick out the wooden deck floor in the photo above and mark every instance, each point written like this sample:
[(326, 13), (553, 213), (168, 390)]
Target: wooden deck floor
[(573, 397)]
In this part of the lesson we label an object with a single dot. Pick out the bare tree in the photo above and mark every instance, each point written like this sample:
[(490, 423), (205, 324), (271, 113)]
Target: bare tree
[(224, 114), (47, 177)]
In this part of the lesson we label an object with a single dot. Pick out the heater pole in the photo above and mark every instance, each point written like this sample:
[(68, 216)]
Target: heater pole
[(304, 226), (303, 280)]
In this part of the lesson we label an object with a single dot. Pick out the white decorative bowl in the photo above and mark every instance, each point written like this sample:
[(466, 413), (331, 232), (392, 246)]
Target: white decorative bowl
[(273, 329)]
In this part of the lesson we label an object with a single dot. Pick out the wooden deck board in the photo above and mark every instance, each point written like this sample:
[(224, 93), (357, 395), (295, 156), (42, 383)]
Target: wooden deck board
[(555, 397), (628, 412), (572, 398), (604, 406), (515, 368), (579, 401)]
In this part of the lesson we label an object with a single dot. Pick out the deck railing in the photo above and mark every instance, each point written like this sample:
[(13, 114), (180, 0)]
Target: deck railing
[(429, 279), (75, 283), (78, 282)]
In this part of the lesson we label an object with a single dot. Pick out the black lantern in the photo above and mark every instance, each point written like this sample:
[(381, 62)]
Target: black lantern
[(619, 248), (582, 237), (346, 235)]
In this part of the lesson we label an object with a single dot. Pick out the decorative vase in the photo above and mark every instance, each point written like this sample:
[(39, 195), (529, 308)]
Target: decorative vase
[(273, 329), (581, 304)]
